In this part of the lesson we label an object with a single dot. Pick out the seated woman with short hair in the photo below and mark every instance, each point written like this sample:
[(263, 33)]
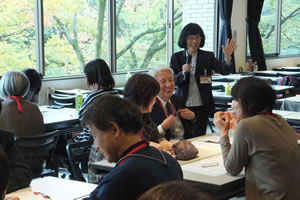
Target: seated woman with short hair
[(141, 89), (35, 82), (101, 82), (263, 142), (19, 116)]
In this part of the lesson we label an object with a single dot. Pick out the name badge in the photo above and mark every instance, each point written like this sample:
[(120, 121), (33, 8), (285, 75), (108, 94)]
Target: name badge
[(205, 79)]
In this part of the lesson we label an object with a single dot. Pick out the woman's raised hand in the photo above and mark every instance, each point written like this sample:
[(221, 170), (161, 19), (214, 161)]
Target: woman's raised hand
[(230, 47)]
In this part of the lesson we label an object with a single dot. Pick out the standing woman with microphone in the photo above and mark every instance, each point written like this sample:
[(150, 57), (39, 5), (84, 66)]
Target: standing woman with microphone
[(193, 69)]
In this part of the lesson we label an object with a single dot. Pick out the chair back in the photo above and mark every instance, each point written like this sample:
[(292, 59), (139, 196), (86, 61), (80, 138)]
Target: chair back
[(78, 153), (65, 100), (37, 149), (37, 144)]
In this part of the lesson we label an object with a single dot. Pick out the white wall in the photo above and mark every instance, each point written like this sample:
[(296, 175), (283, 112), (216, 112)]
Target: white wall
[(201, 12), (238, 24)]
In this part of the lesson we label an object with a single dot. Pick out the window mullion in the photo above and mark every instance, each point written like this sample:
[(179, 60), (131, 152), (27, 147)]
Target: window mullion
[(278, 26), (170, 30), (39, 36), (112, 35)]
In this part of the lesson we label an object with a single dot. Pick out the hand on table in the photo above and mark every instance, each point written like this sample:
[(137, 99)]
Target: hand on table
[(12, 198), (164, 145)]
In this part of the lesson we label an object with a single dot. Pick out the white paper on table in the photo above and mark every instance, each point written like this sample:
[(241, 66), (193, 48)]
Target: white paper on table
[(283, 113), (209, 167)]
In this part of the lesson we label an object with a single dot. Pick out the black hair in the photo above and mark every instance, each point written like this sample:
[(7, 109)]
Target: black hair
[(35, 79), (141, 89), (110, 108), (97, 71), (35, 83), (254, 94), (190, 29), (175, 190)]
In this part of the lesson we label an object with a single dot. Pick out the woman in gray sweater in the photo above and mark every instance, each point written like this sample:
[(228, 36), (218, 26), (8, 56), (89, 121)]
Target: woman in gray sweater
[(264, 143)]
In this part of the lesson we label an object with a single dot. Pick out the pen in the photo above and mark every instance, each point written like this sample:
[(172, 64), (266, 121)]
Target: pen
[(209, 141), (43, 195), (86, 195)]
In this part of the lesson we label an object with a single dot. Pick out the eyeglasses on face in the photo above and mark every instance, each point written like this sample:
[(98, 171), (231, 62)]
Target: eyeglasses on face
[(194, 37)]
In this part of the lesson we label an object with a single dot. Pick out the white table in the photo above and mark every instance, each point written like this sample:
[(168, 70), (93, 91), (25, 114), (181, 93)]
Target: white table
[(290, 103), (56, 188), (59, 118), (236, 77), (292, 115), (207, 169)]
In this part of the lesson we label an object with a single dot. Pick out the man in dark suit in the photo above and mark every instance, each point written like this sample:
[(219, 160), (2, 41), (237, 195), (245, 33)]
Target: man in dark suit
[(169, 113)]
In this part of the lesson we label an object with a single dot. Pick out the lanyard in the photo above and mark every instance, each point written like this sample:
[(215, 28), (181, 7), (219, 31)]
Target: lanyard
[(131, 152), (268, 113), (18, 102), (142, 135), (161, 105)]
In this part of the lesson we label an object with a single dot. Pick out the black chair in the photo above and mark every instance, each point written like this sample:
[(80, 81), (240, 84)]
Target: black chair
[(64, 100), (36, 150), (78, 154)]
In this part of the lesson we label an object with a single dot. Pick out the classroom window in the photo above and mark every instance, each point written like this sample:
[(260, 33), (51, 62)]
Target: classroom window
[(17, 35), (178, 7), (290, 26), (75, 32), (70, 33), (141, 34), (279, 27)]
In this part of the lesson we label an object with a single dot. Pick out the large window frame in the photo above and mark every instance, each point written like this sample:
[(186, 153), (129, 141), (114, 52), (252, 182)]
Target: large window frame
[(277, 31), (111, 9)]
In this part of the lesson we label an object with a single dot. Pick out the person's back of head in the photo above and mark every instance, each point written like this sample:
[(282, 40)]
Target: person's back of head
[(141, 89), (254, 94), (98, 72), (4, 173), (175, 190), (14, 83), (35, 82)]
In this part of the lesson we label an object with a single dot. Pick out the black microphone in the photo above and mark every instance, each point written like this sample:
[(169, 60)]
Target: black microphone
[(188, 61)]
